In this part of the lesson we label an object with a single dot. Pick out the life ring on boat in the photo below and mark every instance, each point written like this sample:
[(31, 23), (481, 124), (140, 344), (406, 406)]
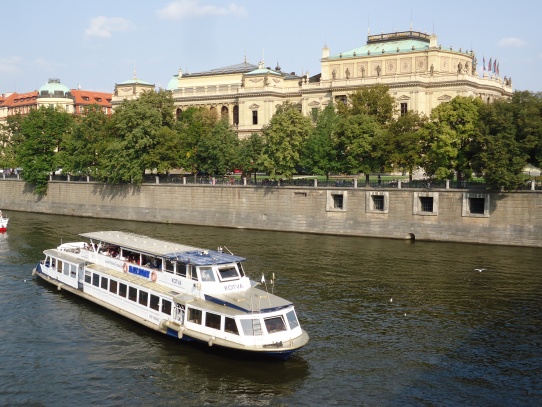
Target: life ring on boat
[(154, 276), (125, 267)]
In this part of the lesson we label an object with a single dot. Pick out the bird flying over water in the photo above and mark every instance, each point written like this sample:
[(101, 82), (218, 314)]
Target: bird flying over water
[(480, 270)]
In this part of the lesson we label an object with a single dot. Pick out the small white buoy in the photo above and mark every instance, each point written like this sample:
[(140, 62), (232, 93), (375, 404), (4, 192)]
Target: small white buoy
[(391, 299)]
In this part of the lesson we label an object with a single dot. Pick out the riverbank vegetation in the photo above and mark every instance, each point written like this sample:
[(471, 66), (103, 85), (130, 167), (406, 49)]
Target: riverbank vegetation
[(361, 135)]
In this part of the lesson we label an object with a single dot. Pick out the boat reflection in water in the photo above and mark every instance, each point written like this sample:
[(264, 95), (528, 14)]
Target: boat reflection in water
[(193, 294)]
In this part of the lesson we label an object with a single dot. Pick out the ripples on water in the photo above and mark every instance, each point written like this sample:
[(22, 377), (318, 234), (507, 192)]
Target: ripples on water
[(391, 323)]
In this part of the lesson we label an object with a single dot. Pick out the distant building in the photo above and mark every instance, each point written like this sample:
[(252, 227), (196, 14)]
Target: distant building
[(53, 94), (130, 89), (419, 72)]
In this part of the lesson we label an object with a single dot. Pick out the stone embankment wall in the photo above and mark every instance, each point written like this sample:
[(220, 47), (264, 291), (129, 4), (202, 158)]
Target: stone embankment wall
[(438, 214)]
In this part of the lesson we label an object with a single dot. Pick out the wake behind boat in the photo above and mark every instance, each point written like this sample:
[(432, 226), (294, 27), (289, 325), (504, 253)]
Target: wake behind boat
[(182, 291), (3, 223)]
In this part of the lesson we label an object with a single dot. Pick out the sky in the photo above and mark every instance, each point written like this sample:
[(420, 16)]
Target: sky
[(95, 44)]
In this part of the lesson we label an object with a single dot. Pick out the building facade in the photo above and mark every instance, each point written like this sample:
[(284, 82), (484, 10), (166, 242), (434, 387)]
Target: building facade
[(420, 73), (53, 94)]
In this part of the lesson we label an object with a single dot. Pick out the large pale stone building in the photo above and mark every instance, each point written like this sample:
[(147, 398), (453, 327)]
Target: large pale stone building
[(420, 73)]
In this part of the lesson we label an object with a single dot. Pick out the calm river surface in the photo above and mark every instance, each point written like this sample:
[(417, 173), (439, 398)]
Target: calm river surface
[(391, 323)]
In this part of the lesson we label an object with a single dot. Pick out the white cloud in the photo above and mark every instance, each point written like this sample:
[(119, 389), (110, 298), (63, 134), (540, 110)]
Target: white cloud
[(512, 42), (180, 9), (10, 65), (103, 27)]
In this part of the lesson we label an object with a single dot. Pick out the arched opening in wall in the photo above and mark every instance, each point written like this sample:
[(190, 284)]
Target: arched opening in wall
[(411, 237), (213, 111), (224, 112), (236, 115)]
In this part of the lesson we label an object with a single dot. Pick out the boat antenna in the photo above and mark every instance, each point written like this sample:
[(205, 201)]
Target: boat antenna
[(229, 251)]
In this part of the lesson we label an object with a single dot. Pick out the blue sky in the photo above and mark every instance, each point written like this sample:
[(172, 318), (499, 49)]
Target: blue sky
[(98, 43)]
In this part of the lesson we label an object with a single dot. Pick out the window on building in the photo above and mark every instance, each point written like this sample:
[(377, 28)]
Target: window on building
[(236, 115), (254, 117), (404, 109), (426, 203), (477, 205), (378, 202), (337, 201)]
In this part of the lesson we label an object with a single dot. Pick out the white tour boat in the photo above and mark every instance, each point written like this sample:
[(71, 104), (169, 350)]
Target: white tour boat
[(185, 292), (3, 223)]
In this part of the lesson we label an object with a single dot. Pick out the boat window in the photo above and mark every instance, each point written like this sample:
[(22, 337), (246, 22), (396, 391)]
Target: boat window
[(193, 273), (155, 302), (113, 286), (166, 307), (230, 326), (292, 319), (170, 266), (66, 268), (88, 276), (143, 297), (275, 324), (251, 327), (59, 266), (241, 270), (228, 273), (132, 293), (207, 274), (212, 320), (96, 280), (181, 269), (122, 289), (103, 285), (194, 315)]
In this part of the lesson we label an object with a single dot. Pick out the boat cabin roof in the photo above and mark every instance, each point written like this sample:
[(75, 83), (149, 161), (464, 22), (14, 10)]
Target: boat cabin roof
[(168, 250)]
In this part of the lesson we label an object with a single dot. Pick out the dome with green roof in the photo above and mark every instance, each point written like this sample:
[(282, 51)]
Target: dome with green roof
[(53, 88), (173, 83)]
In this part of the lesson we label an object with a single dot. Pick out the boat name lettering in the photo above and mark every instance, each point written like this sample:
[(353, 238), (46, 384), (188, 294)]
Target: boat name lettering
[(113, 262), (139, 271), (176, 281), (233, 287)]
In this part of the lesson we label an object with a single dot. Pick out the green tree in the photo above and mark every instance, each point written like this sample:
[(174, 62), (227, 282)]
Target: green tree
[(217, 151), (82, 147), (319, 154), (402, 145), (498, 154), (136, 126), (373, 101), (10, 138), (283, 139), (527, 116), (42, 131), (193, 124), (249, 152), (356, 150), (448, 137)]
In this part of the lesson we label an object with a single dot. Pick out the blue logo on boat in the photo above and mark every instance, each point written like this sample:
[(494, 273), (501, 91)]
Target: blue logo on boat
[(139, 271)]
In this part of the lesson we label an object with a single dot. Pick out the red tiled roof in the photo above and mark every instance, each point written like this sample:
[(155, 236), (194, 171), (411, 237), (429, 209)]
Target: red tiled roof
[(88, 97), (20, 99)]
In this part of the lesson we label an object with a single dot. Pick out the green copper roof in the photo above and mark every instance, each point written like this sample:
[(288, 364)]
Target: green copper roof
[(54, 87), (388, 47), (135, 81)]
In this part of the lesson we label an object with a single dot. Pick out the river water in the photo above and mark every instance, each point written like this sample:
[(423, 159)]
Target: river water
[(391, 323)]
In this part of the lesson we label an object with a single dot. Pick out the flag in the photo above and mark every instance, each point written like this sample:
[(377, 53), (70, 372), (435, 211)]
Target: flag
[(494, 66), (484, 63), (489, 65), (497, 69)]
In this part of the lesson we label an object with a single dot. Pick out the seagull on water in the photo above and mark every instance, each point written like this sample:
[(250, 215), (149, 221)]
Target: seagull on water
[(480, 270)]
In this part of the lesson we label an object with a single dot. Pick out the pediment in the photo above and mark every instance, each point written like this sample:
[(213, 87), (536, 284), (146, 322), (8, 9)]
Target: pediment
[(444, 98), (254, 106), (314, 103), (404, 97)]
